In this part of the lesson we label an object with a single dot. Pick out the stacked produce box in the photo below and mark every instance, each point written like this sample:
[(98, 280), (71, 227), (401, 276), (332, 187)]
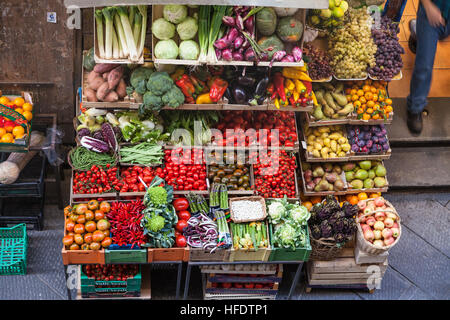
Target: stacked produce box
[(144, 191)]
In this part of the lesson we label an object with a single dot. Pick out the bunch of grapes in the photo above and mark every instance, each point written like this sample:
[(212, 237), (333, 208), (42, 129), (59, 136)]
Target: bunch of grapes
[(319, 62), (352, 49), (388, 56)]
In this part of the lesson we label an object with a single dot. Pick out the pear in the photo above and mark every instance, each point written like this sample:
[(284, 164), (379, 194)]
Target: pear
[(357, 184), (380, 182), (361, 174), (368, 183), (380, 171), (366, 165)]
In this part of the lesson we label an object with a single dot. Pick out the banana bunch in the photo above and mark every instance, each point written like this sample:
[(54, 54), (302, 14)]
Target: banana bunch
[(331, 102), (327, 142)]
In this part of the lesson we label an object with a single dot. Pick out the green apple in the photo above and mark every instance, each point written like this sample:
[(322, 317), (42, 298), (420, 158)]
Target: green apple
[(331, 4), (337, 3), (344, 6), (338, 12)]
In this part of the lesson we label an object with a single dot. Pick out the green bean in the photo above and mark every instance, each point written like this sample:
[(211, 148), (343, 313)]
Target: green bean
[(84, 159)]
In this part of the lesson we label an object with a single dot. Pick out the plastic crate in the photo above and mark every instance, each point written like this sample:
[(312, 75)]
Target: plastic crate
[(131, 286), (125, 255), (283, 254), (13, 250)]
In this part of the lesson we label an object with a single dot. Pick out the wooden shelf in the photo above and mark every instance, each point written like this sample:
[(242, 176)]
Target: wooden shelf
[(306, 4)]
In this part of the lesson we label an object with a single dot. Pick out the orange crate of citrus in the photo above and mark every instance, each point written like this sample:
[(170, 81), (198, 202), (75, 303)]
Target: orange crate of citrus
[(370, 100), (16, 114)]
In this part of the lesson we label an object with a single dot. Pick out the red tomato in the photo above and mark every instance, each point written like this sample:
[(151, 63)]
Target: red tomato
[(181, 204), (181, 224), (184, 215), (181, 241)]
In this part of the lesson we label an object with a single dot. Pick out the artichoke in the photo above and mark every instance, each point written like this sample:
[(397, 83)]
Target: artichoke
[(315, 232)]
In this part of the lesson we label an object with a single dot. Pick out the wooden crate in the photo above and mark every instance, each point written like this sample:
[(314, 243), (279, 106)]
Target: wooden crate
[(168, 254), (117, 61), (83, 256), (362, 257), (157, 12), (262, 254), (252, 198), (198, 254)]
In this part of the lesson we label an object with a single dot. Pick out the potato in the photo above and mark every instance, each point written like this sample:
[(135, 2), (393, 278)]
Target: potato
[(114, 77), (121, 89), (92, 75), (105, 75), (102, 91), (90, 95), (112, 96), (96, 83), (104, 67)]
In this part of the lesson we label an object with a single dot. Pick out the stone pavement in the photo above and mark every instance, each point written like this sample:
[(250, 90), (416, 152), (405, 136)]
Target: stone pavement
[(419, 265)]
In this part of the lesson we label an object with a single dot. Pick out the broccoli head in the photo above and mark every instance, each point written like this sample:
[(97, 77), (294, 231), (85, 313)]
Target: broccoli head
[(153, 101), (140, 74), (155, 223), (159, 83), (158, 196), (173, 98)]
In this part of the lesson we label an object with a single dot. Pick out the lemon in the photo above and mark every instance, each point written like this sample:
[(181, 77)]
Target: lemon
[(344, 6), (331, 4), (325, 13), (338, 12)]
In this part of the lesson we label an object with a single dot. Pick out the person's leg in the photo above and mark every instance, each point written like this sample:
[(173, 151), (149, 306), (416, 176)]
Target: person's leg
[(427, 38)]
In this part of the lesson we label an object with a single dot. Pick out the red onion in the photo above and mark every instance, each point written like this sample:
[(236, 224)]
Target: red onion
[(222, 43), (297, 53), (249, 24), (232, 34), (228, 21), (288, 58), (238, 42), (227, 55)]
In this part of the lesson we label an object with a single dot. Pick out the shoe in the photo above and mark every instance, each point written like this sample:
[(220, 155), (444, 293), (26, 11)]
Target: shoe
[(412, 41), (414, 122)]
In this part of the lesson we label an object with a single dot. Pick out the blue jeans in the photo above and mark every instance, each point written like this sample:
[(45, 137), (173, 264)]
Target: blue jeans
[(427, 39)]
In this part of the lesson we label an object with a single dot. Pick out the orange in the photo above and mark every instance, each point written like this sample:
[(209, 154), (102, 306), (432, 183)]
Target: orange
[(19, 110), (2, 132), (349, 98), (7, 138), (28, 115), (360, 93), (19, 102), (355, 97), (381, 97), (376, 107), (376, 116), (316, 199), (308, 205), (9, 126), (348, 91), (18, 132), (370, 104), (27, 106), (369, 110), (388, 109), (363, 100), (357, 104), (368, 95), (353, 92), (353, 199), (375, 195), (375, 97), (388, 101), (373, 90), (366, 116), (362, 196), (4, 100), (360, 110)]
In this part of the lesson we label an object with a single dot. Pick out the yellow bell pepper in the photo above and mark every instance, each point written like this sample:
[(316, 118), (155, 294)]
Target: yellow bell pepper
[(295, 74), (203, 99), (299, 86), (288, 83), (277, 103), (284, 103), (304, 68), (296, 95), (287, 92)]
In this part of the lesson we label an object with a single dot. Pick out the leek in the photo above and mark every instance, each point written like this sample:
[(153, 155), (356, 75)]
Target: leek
[(121, 35), (131, 14), (109, 14), (137, 30), (128, 33), (143, 10), (100, 42), (116, 51)]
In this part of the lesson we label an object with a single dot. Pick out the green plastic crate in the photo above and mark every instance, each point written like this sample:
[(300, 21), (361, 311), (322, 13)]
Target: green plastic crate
[(283, 254), (125, 256), (90, 285), (13, 250)]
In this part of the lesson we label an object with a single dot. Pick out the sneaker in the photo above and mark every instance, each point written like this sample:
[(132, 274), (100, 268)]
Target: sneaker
[(414, 122)]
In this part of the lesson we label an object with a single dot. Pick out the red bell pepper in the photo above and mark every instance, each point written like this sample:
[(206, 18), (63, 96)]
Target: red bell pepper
[(218, 88), (278, 82)]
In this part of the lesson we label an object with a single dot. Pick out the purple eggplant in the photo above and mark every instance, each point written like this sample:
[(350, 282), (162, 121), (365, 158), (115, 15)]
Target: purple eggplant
[(297, 54), (227, 54), (239, 95), (246, 81), (228, 21), (237, 43)]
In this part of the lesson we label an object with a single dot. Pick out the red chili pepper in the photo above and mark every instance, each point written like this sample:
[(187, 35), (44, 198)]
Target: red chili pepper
[(278, 82)]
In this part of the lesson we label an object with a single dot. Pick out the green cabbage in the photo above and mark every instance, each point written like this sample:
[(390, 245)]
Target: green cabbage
[(276, 211), (166, 49), (175, 13), (189, 50), (187, 29), (162, 29), (300, 215)]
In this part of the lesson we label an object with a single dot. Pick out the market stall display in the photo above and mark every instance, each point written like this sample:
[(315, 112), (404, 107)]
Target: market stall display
[(226, 70)]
